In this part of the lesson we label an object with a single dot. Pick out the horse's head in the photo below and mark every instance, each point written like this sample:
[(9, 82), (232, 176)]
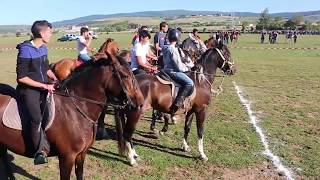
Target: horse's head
[(110, 47), (220, 57), (191, 49), (226, 63), (122, 85)]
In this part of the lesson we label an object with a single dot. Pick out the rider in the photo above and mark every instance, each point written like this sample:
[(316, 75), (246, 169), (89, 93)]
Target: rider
[(135, 38), (139, 54), (160, 38), (83, 44), (195, 38), (176, 69), (32, 78)]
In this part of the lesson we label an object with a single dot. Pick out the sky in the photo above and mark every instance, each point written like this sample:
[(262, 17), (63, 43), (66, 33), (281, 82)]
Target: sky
[(26, 12)]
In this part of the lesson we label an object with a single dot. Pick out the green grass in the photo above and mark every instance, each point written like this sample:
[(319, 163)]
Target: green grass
[(283, 86)]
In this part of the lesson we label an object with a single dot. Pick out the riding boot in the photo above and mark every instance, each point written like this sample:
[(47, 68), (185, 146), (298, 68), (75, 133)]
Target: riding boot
[(40, 144), (182, 94)]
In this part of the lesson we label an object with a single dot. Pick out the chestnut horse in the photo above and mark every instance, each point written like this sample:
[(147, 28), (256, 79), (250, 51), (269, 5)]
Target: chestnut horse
[(158, 95), (77, 110), (64, 67)]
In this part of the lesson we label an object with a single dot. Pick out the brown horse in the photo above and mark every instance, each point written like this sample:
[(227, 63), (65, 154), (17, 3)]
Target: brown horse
[(211, 43), (64, 67), (158, 95), (77, 110)]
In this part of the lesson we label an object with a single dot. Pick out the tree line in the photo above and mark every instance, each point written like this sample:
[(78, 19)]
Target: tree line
[(267, 22)]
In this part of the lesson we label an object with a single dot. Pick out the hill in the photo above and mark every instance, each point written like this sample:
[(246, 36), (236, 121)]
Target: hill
[(177, 13)]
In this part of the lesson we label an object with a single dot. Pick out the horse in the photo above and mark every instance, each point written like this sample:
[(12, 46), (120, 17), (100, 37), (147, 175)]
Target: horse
[(64, 67), (158, 95), (192, 49), (77, 109)]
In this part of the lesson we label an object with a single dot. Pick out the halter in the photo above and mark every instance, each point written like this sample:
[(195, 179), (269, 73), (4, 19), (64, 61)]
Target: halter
[(225, 61)]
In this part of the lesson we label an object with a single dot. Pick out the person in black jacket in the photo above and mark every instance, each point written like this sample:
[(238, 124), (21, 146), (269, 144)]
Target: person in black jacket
[(33, 85)]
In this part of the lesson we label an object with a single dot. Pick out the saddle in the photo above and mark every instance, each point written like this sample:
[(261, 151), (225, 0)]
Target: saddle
[(16, 117), (164, 78)]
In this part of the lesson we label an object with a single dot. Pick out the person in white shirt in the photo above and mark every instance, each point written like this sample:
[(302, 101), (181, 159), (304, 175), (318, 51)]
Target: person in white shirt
[(139, 54), (83, 45)]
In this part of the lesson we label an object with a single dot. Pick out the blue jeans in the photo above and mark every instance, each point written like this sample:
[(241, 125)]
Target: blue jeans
[(85, 57), (181, 78)]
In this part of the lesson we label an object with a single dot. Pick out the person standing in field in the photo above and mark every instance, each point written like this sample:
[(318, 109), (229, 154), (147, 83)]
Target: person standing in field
[(160, 38), (295, 36)]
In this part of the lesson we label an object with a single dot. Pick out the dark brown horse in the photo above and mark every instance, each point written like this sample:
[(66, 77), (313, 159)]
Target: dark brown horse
[(77, 110), (211, 43), (194, 50), (158, 95)]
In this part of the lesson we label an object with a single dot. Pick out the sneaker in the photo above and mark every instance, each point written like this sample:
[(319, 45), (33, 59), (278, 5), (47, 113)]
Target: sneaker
[(40, 158)]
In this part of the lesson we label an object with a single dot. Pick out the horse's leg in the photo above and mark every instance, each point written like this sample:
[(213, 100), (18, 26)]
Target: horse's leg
[(101, 131), (6, 163), (166, 123), (187, 127), (65, 165), (200, 116), (153, 121), (132, 119), (79, 165)]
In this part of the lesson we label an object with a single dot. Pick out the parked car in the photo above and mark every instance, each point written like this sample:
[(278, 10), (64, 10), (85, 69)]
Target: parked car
[(63, 38), (72, 37), (68, 37), (93, 34)]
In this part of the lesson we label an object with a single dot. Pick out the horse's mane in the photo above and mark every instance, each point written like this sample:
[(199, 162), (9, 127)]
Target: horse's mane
[(89, 66), (83, 69), (103, 46), (206, 41)]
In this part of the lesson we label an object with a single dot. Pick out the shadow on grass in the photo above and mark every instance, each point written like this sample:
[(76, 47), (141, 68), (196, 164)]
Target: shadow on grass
[(158, 147), (108, 155), (15, 169)]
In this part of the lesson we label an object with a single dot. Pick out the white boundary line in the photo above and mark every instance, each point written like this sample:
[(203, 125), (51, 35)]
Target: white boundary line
[(253, 119)]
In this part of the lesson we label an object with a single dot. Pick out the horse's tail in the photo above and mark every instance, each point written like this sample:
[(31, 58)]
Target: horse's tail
[(119, 128)]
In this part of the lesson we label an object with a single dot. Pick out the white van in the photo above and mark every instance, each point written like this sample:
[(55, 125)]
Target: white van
[(93, 34)]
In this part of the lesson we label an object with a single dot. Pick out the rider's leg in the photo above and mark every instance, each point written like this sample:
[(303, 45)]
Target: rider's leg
[(185, 90), (32, 99)]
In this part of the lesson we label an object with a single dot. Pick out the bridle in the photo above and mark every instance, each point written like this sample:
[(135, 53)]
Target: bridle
[(225, 62)]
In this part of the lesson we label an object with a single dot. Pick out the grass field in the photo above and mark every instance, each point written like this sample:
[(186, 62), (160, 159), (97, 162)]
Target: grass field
[(284, 87)]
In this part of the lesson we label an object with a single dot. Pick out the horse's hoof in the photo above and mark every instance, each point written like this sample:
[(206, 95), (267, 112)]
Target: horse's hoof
[(186, 149), (135, 164), (161, 133), (174, 120), (204, 158), (155, 131), (137, 158)]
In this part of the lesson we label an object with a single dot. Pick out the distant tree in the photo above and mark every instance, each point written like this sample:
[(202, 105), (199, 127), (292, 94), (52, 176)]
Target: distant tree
[(244, 25), (290, 24), (298, 19), (277, 23), (264, 20), (307, 26), (133, 26), (18, 34)]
